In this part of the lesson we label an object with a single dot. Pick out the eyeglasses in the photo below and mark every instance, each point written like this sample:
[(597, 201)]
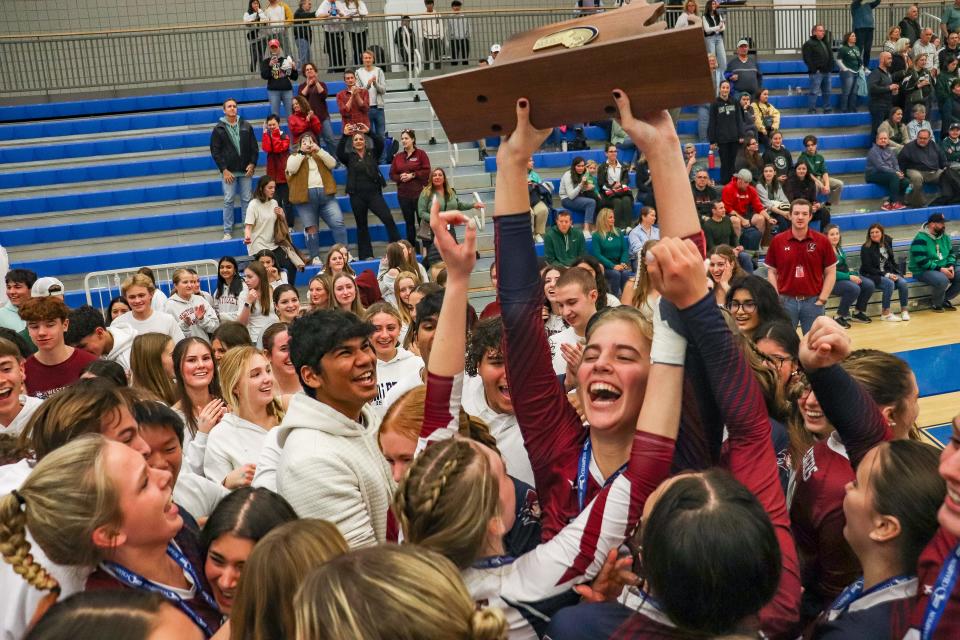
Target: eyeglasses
[(777, 361), (748, 306)]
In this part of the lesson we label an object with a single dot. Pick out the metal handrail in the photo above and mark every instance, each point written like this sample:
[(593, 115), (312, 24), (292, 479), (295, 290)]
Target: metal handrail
[(125, 58)]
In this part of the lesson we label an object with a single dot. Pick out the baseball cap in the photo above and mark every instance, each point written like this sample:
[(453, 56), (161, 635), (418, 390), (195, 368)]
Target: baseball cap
[(744, 174), (955, 125), (45, 287), (934, 217), (273, 43), (495, 48), (743, 42)]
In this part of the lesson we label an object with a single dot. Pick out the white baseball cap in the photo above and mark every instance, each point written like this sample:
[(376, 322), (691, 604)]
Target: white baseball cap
[(495, 48), (47, 286)]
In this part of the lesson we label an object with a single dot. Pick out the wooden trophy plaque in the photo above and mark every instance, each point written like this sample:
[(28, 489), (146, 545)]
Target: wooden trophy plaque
[(569, 69)]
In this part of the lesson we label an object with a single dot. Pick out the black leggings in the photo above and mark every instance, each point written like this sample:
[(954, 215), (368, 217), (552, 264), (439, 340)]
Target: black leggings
[(362, 202), (409, 208), (728, 157)]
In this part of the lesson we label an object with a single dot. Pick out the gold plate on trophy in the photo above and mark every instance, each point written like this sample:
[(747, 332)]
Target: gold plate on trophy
[(570, 38)]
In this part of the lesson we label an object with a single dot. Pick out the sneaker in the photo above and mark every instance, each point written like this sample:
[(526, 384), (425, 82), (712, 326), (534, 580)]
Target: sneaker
[(860, 316), (890, 318), (843, 322), (936, 309), (586, 234), (887, 206), (947, 305), (811, 110), (538, 239), (316, 262), (227, 236), (897, 206), (905, 315)]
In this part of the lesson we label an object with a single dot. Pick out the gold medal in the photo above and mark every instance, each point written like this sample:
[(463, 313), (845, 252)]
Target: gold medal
[(569, 38)]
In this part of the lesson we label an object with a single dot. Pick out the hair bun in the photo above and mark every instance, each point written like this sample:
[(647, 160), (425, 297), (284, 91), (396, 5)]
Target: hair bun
[(488, 624)]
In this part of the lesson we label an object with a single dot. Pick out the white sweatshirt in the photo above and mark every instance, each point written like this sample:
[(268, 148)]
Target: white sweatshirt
[(29, 404), (503, 427), (197, 495), (122, 345), (185, 311), (233, 443), (331, 468), (390, 373), (158, 322)]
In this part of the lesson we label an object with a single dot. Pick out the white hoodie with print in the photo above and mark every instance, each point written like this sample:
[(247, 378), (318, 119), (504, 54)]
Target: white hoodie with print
[(185, 311)]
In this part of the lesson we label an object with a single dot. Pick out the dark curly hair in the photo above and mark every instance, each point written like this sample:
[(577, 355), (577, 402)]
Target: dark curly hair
[(487, 334)]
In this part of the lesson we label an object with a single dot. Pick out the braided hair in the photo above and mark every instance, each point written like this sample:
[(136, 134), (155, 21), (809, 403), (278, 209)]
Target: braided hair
[(447, 499)]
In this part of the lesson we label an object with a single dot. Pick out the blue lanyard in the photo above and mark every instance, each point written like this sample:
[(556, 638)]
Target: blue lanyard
[(940, 595), (493, 562), (136, 581), (855, 591), (583, 467)]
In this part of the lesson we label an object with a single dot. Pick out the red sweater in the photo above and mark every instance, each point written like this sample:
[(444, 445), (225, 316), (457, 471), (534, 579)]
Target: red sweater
[(741, 202), (417, 162), (277, 148), (300, 124), (357, 112)]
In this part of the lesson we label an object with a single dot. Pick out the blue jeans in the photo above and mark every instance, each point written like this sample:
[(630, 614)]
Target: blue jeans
[(887, 286), (893, 183), (703, 122), (848, 290), (819, 87), (329, 140), (230, 193), (943, 287), (715, 46), (378, 123), (750, 238), (616, 280), (278, 97), (802, 311), (321, 206), (848, 91), (745, 261), (581, 204), (303, 50)]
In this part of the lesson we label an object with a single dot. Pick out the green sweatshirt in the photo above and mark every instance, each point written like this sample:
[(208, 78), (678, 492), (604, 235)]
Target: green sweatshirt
[(843, 271), (928, 253), (563, 249), (610, 249)]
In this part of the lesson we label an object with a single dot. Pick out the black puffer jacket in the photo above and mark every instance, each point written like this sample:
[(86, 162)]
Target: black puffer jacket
[(363, 174)]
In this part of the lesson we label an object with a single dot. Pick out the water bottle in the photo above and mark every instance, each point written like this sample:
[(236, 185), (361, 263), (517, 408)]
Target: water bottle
[(711, 160), (789, 90), (333, 10), (908, 190), (563, 146)]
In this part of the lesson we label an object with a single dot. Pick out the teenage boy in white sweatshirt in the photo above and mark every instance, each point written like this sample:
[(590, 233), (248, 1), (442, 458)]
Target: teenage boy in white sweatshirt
[(89, 331), (330, 464)]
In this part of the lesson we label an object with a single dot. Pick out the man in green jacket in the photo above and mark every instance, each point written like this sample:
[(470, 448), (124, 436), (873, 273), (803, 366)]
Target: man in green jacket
[(932, 262), (562, 245)]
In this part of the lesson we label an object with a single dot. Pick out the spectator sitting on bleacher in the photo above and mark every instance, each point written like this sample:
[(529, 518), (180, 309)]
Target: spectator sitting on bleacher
[(949, 72), (541, 201), (779, 156), (950, 50), (801, 185), (878, 262), (951, 145), (919, 122), (704, 194), (610, 248), (278, 70), (910, 25), (925, 46), (747, 213), (693, 164), (234, 150), (897, 134), (749, 158), (88, 331), (725, 130), (923, 163), (774, 199), (849, 285), (743, 71), (815, 162), (881, 89), (766, 117), (613, 180), (562, 244), (314, 193), (276, 144), (718, 230), (19, 283), (645, 231), (747, 113), (818, 56), (932, 261), (353, 102), (574, 184), (55, 365), (884, 170)]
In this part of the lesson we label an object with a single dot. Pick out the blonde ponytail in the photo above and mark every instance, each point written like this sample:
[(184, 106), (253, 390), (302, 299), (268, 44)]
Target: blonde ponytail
[(488, 624), (15, 547)]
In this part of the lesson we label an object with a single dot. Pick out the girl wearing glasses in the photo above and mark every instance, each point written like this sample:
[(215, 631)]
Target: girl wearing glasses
[(753, 301)]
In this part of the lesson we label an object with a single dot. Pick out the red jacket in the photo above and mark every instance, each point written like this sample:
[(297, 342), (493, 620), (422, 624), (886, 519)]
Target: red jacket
[(741, 201), (417, 162), (277, 148), (300, 124)]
